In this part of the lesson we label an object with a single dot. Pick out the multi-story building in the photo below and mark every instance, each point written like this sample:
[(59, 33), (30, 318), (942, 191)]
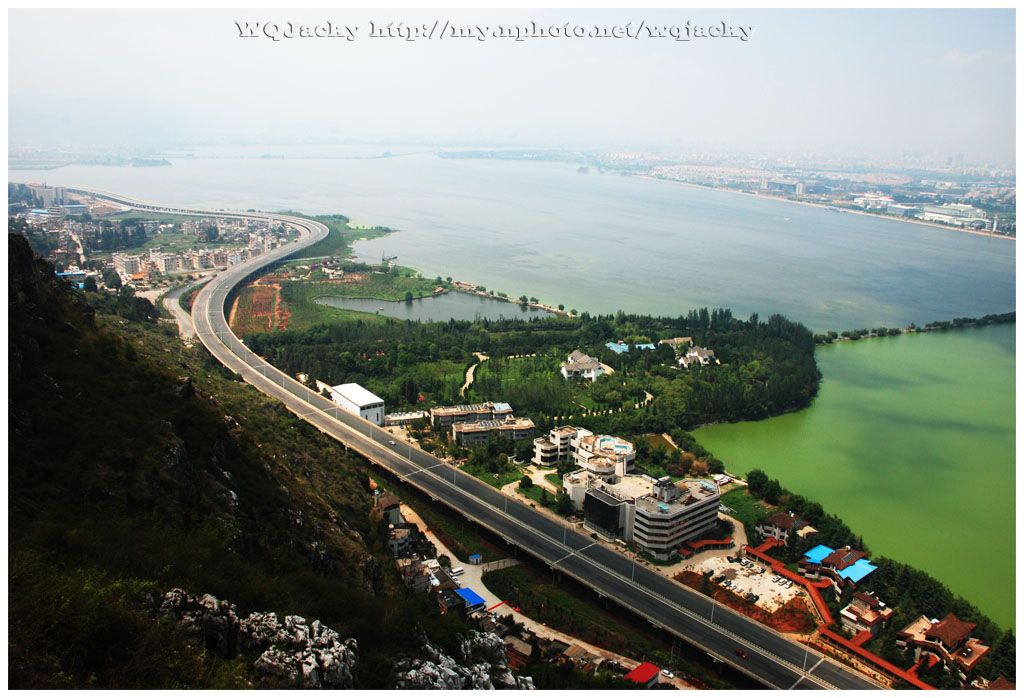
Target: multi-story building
[(656, 515), (581, 366), (865, 613), (602, 454), (456, 414), (948, 639), (557, 445), (471, 433), (126, 264), (673, 514), (953, 214)]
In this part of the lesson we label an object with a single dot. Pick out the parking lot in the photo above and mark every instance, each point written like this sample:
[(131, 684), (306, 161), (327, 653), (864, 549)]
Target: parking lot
[(750, 579)]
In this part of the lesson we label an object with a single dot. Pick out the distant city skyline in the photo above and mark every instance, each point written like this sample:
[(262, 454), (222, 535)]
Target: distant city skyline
[(932, 83)]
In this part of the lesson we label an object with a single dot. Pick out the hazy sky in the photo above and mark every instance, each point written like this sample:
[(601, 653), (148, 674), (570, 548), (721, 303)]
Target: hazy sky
[(861, 81)]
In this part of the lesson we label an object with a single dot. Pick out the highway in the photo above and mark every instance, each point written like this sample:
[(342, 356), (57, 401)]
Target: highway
[(185, 327), (771, 658)]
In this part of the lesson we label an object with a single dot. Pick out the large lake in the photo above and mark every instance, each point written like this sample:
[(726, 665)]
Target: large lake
[(601, 242), (911, 442)]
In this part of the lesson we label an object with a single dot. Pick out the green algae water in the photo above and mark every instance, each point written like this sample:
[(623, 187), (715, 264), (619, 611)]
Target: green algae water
[(911, 442)]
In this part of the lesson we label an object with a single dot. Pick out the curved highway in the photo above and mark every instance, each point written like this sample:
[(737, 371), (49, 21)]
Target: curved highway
[(771, 658)]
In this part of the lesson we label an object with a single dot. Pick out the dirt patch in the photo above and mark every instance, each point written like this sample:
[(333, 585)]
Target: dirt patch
[(254, 309), (792, 617), (281, 312)]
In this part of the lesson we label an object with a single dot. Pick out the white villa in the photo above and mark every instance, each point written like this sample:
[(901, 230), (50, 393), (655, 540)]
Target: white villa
[(699, 355), (580, 365)]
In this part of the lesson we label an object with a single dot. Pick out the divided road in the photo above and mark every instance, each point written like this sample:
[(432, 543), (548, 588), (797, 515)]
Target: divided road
[(185, 326), (771, 658)]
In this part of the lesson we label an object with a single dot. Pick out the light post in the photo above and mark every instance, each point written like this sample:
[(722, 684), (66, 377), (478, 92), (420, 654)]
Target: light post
[(713, 603)]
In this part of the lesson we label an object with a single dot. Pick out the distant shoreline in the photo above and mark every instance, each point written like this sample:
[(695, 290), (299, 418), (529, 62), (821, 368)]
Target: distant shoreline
[(826, 206)]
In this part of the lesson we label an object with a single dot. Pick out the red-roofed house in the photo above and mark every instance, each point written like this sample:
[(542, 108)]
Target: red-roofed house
[(865, 613), (1001, 684), (645, 674), (948, 639), (781, 526)]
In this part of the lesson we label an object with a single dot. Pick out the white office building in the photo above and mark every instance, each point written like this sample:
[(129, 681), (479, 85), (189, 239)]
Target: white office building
[(657, 516), (356, 399)]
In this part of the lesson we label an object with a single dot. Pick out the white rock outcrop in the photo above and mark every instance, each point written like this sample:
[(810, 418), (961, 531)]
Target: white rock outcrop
[(483, 664), (311, 654)]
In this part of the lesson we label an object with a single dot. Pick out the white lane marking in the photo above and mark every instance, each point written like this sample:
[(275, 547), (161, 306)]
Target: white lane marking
[(574, 552)]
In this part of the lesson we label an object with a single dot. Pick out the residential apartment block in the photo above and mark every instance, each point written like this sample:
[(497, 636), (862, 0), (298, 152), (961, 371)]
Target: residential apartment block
[(457, 414), (600, 454), (511, 428)]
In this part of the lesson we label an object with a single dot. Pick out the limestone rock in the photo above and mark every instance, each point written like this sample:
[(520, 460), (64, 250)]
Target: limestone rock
[(309, 654), (483, 666)]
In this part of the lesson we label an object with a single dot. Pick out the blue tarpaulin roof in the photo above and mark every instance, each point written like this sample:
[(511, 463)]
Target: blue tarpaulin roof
[(618, 348), (644, 346), (816, 555), (858, 570), (472, 598)]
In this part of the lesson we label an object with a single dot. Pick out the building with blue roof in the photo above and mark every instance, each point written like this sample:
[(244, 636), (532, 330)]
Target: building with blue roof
[(473, 600), (816, 555), (645, 346), (858, 570), (845, 567), (618, 347)]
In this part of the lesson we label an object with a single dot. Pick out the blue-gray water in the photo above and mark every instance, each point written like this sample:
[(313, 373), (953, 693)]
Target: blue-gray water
[(460, 306), (601, 242)]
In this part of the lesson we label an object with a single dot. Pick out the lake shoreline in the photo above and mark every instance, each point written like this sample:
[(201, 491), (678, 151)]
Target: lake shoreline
[(829, 207)]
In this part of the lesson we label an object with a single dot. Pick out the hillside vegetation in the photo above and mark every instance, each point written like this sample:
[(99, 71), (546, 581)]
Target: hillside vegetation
[(137, 464)]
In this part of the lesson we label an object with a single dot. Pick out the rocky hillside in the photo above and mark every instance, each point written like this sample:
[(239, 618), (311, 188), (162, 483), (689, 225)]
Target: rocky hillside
[(138, 465)]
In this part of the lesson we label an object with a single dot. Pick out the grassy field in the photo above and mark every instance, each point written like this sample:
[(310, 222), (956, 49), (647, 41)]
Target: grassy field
[(539, 495), (554, 478), (745, 508), (300, 296), (388, 287), (175, 243), (496, 480), (148, 216)]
